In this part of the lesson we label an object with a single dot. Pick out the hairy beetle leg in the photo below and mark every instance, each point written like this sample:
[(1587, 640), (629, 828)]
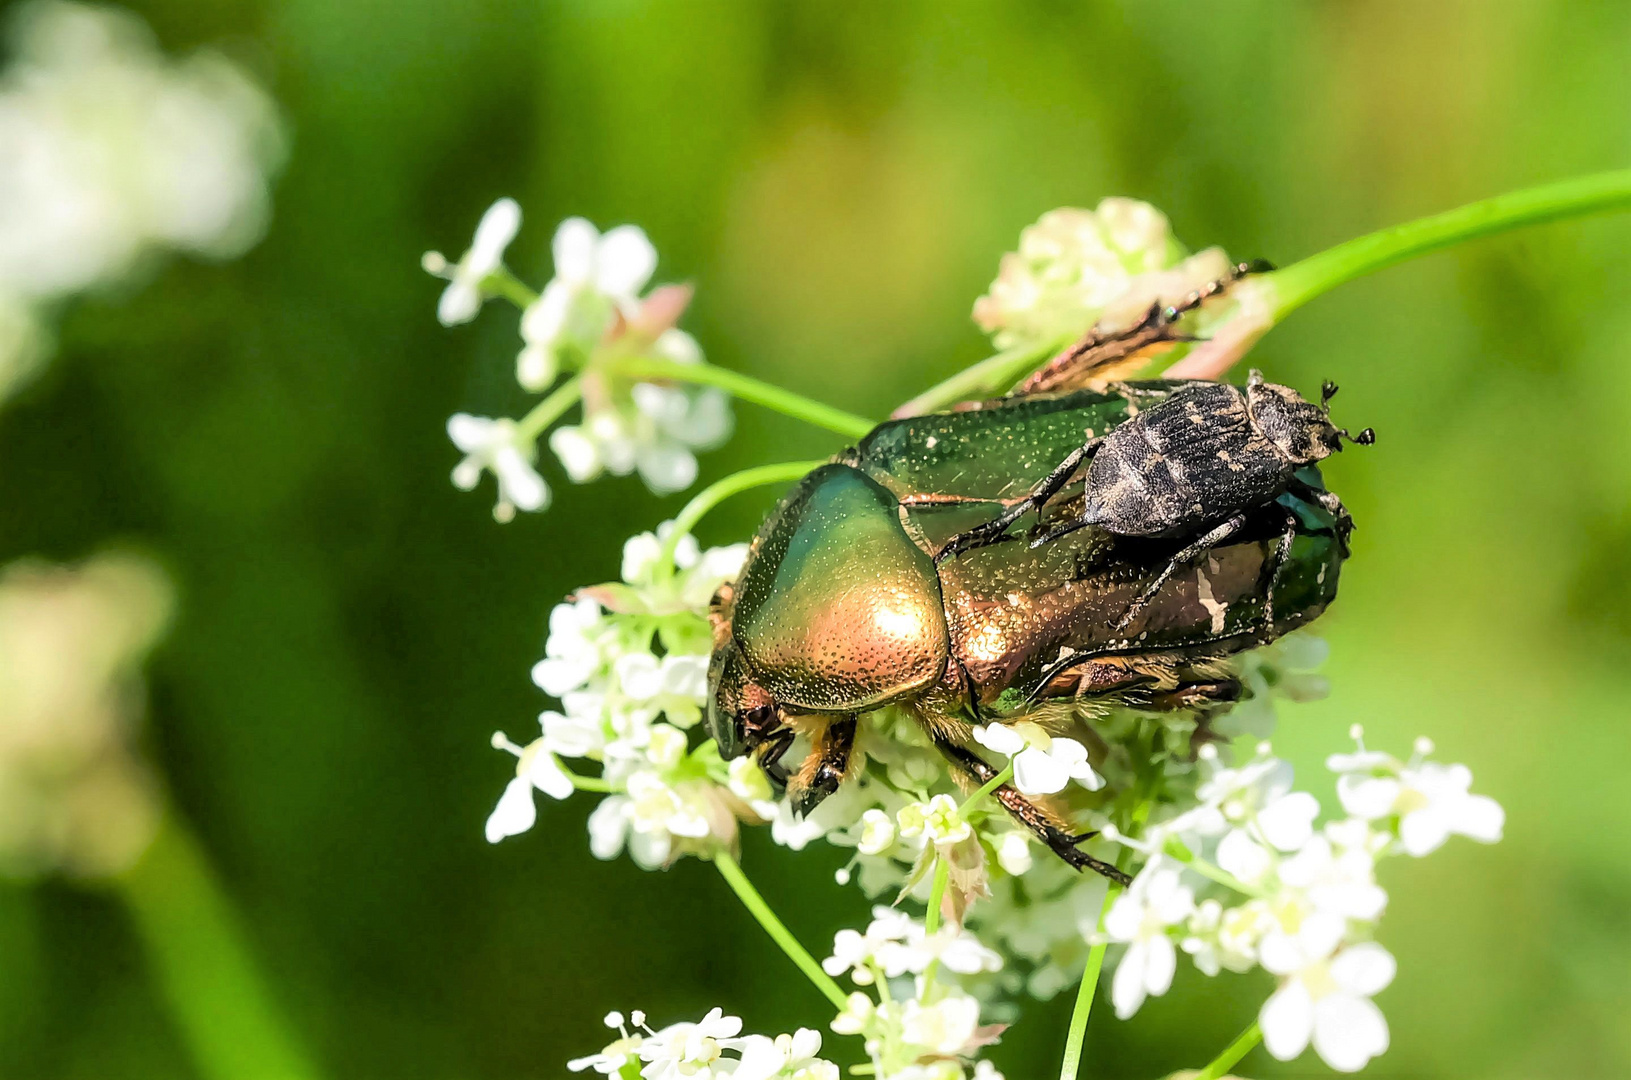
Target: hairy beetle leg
[(1271, 569), (992, 532), (1027, 813), (1210, 539), (826, 766)]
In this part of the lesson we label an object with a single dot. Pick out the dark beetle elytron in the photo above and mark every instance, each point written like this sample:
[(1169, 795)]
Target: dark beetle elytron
[(842, 607), (1194, 464)]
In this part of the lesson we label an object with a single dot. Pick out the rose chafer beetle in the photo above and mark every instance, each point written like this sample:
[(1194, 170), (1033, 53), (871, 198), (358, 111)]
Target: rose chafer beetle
[(843, 607)]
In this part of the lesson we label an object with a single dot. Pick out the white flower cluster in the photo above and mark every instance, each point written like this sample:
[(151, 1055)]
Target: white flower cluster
[(74, 795), (934, 1034), (895, 944), (110, 153), (1075, 268), (1302, 902), (629, 663), (588, 317), (697, 1051)]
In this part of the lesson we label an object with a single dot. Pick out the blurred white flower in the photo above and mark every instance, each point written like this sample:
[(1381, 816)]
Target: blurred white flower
[(938, 820), (689, 1050), (649, 427), (1329, 1003), (784, 1056), (1043, 763), (110, 153), (1141, 917), (535, 767), (596, 279), (945, 1027), (1430, 801), (621, 1052), (499, 447), (877, 832), (1074, 267), (462, 298), (75, 797)]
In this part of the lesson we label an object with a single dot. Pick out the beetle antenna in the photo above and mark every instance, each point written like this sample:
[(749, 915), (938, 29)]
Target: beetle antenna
[(1328, 390), (1364, 438)]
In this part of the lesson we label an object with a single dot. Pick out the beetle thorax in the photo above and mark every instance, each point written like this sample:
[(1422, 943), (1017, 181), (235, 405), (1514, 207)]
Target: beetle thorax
[(1300, 430)]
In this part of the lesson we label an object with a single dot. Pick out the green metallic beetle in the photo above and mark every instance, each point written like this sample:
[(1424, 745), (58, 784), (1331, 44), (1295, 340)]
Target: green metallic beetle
[(841, 608)]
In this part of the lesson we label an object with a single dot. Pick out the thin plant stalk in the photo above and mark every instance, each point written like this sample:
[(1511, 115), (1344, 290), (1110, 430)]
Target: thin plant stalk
[(1088, 989), (711, 496), (220, 1001), (731, 871), (1231, 1055), (746, 388), (1300, 282)]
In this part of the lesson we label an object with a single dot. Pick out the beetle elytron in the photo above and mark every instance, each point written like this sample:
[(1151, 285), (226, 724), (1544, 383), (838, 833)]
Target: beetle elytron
[(842, 607)]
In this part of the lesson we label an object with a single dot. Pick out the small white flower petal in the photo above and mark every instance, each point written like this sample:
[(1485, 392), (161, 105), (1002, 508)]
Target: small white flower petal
[(574, 250), (1037, 773), (1348, 1032), (1364, 969), (1287, 1020), (497, 228), (997, 737), (514, 813), (624, 260)]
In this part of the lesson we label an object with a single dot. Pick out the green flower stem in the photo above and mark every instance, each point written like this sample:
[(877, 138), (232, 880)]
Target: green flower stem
[(937, 895), (503, 283), (720, 490), (931, 919), (991, 377), (549, 410), (1232, 1053), (1222, 877), (987, 788), (588, 783), (218, 998), (731, 871), (1088, 989), (745, 387), (1302, 281)]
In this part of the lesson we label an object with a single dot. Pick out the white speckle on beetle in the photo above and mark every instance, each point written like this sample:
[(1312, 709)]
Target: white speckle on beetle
[(931, 442)]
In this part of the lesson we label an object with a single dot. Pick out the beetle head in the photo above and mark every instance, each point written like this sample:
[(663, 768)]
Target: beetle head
[(741, 713), (1299, 429)]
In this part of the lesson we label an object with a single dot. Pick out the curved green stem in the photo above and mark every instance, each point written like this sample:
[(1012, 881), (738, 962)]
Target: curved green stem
[(1302, 281), (1088, 990), (731, 871), (549, 410), (204, 967), (588, 783), (937, 894), (720, 490), (503, 283), (987, 788), (747, 388), (991, 377), (1232, 1054)]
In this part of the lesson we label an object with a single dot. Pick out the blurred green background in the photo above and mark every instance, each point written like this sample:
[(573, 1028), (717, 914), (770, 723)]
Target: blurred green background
[(838, 181)]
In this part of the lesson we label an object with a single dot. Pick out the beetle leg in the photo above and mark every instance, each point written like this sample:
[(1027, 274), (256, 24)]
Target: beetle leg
[(1210, 539), (1102, 350), (824, 769), (770, 757), (992, 532), (1271, 568), (1332, 504), (1029, 814)]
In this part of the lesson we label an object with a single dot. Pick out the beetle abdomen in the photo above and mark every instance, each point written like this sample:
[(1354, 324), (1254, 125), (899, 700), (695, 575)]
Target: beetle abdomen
[(837, 610), (1193, 458)]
